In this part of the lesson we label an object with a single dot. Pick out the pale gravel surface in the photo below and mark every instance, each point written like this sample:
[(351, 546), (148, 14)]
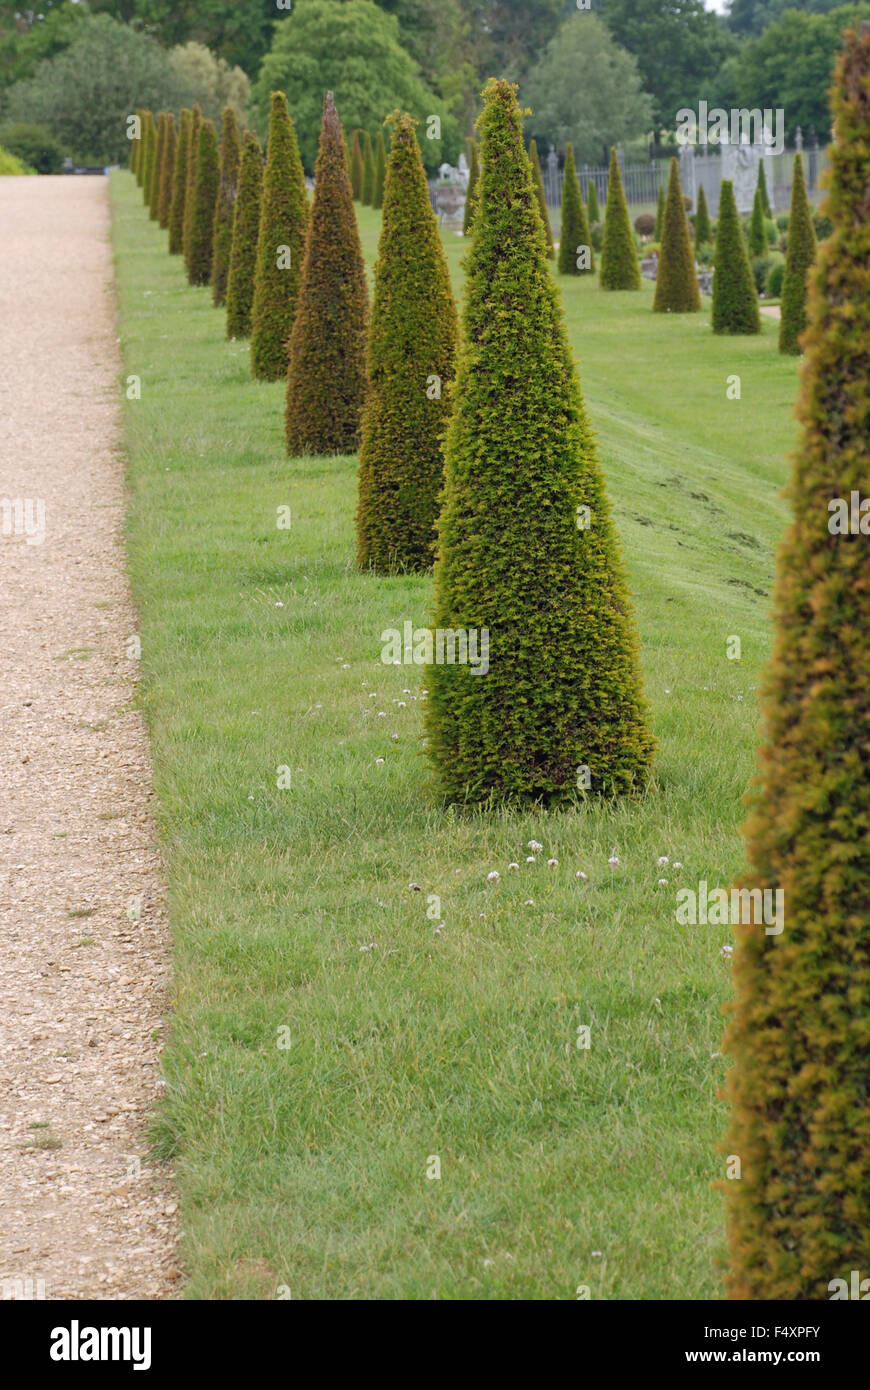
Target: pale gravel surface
[(79, 1067)]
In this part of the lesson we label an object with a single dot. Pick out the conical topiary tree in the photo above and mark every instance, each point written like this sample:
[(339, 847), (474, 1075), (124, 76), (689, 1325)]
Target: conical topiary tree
[(368, 176), (193, 156), (326, 376), (800, 256), (619, 265), (380, 171), (542, 197), (280, 246), (150, 137), (222, 236), (660, 215), (356, 167), (136, 149), (593, 211), (243, 255), (762, 189), (526, 548), (575, 242), (757, 231), (205, 192), (410, 365), (735, 301), (179, 184), (471, 189), (799, 1033), (677, 289), (703, 229), (167, 168), (156, 166)]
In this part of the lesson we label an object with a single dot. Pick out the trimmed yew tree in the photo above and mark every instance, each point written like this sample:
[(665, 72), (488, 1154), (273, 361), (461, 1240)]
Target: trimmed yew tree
[(735, 300), (526, 546), (762, 189), (222, 236), (156, 166), (703, 228), (471, 189), (150, 137), (327, 375), (167, 168), (380, 171), (196, 122), (409, 366), (757, 230), (800, 255), (677, 289), (542, 197), (575, 229), (205, 192), (593, 211), (660, 215), (280, 246), (136, 151), (356, 167), (619, 264), (243, 255), (799, 1032), (179, 183), (368, 177)]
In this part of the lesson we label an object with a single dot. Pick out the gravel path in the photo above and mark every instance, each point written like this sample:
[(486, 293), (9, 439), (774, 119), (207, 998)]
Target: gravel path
[(84, 954)]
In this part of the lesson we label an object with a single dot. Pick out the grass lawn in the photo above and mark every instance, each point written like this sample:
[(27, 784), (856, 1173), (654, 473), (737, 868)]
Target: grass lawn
[(305, 1165)]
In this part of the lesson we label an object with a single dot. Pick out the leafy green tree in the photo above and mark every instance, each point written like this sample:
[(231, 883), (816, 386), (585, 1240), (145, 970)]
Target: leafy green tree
[(209, 80), (526, 547), (800, 1021), (28, 37), (356, 167), (230, 156), (167, 166), (179, 184), (205, 192), (353, 49), (800, 256), (380, 170), (470, 191), (280, 246), (677, 289), (587, 89), (703, 228), (326, 378), (238, 31), (735, 301), (410, 365), (538, 182), (619, 265), (574, 238), (39, 149), (243, 256)]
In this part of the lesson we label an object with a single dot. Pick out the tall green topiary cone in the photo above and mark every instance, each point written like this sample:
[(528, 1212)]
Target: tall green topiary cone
[(280, 246), (800, 256), (243, 255), (326, 377), (735, 301), (205, 192), (619, 265), (757, 232), (593, 211), (136, 149), (193, 156), (150, 137), (542, 198), (471, 190), (410, 365), (575, 229), (703, 228), (799, 1033), (660, 216), (518, 553), (380, 171), (356, 167), (762, 189), (230, 155), (179, 184), (156, 165), (368, 175), (167, 169), (677, 289)]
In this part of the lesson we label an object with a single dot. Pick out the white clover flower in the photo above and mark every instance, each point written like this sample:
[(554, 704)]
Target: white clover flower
[(529, 902), (727, 951), (534, 846), (379, 760), (493, 876), (662, 860), (580, 874), (512, 865), (677, 864), (552, 863), (614, 858), (662, 882)]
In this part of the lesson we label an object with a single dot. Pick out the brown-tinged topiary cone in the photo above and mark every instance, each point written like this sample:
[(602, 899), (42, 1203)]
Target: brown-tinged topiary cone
[(620, 269), (367, 191), (154, 188), (470, 192), (150, 138), (526, 545), (136, 149), (356, 167), (677, 289), (204, 198), (410, 365), (196, 122), (326, 376), (243, 256), (542, 198), (576, 256), (167, 169), (799, 1031), (179, 183), (222, 236), (380, 171), (800, 256), (280, 246), (660, 215), (735, 299), (703, 229)]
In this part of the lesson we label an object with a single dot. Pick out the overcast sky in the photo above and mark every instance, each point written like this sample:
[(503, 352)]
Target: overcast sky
[(718, 5)]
